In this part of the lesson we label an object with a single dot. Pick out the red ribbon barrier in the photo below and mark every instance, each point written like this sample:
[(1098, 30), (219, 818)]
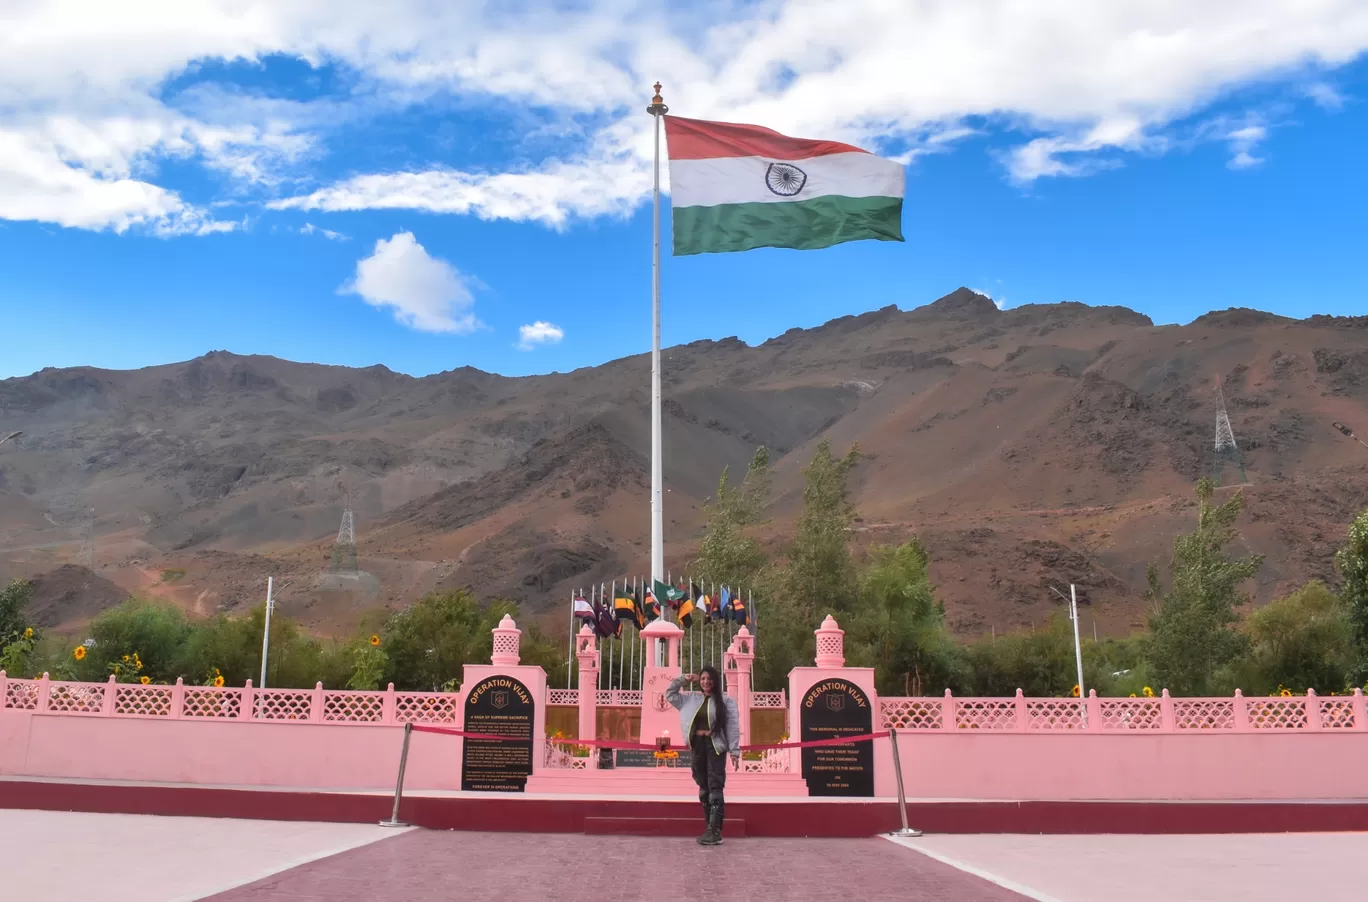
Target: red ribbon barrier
[(611, 744)]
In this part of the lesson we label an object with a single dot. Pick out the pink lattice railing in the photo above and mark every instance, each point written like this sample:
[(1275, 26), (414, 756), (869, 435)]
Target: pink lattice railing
[(1160, 714), (317, 705), (1191, 716)]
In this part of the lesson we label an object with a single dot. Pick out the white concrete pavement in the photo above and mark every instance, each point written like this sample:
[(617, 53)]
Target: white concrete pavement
[(1249, 867), (57, 856)]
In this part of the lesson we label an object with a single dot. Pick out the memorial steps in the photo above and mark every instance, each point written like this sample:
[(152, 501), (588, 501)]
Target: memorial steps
[(775, 816)]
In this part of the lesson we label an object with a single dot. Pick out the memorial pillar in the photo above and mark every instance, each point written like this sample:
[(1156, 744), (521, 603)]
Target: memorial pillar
[(739, 667), (507, 699), (831, 700), (586, 651), (658, 717)]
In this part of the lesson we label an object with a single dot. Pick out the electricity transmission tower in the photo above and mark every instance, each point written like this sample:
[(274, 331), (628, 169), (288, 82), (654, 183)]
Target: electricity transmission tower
[(1226, 449), (344, 551)]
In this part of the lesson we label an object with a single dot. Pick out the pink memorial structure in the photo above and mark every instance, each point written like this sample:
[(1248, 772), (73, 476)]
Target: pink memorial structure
[(1030, 764)]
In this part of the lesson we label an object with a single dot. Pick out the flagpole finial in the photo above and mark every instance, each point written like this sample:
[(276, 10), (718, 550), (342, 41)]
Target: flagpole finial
[(657, 107)]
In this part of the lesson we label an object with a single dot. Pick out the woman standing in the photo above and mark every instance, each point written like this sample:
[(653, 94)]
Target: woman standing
[(712, 724)]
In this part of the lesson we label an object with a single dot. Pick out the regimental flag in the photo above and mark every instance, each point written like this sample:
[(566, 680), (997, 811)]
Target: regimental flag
[(584, 611), (651, 608), (724, 604), (605, 624), (624, 605), (735, 187), (686, 612), (669, 594), (738, 610)]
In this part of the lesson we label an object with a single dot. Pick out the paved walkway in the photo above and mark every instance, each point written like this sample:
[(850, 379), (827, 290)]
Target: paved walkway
[(494, 867), (161, 859)]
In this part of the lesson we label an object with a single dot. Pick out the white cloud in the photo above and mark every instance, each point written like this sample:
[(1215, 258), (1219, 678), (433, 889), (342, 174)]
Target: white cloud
[(1000, 303), (310, 229), (87, 90), (425, 293), (1325, 96), (539, 334), (1243, 141)]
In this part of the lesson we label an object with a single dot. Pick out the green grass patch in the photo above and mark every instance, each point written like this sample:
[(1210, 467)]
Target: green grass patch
[(171, 576)]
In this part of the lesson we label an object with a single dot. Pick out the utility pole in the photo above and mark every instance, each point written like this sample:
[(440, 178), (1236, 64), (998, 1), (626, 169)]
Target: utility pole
[(1078, 646), (266, 633)]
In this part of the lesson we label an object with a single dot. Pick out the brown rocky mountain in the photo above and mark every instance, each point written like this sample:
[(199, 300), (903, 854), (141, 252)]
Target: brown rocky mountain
[(1037, 445)]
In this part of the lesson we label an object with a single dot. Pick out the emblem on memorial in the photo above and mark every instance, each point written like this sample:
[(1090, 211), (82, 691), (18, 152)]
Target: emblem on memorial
[(835, 702), (658, 701), (498, 699), (785, 179)]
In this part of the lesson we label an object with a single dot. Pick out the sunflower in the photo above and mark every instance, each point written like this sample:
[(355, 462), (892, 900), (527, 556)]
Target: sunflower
[(1149, 693), (375, 641), (28, 633), (218, 681), (1074, 692), (79, 653), (144, 679), (125, 659), (1132, 695)]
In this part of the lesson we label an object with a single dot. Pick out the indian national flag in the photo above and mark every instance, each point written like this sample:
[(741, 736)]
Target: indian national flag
[(736, 187)]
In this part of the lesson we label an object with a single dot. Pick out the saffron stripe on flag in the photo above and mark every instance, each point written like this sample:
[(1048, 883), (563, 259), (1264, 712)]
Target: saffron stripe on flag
[(802, 225), (735, 180), (696, 139)]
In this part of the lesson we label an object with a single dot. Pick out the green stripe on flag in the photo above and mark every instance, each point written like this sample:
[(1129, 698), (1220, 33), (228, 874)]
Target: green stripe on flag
[(803, 225)]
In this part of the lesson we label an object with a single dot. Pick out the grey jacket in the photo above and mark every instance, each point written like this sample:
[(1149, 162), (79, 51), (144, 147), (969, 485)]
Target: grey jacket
[(688, 704)]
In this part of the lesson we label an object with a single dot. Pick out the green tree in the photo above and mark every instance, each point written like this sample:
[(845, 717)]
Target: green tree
[(429, 643), (1301, 642), (1352, 563), (820, 575), (14, 598), (156, 633), (1194, 624), (899, 626), (1038, 662), (729, 555)]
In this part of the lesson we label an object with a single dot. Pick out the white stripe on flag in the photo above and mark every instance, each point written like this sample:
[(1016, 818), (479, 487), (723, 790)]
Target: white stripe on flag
[(741, 180)]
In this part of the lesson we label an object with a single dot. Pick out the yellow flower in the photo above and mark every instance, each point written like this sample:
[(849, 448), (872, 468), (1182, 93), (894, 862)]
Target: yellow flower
[(375, 640), (1285, 693), (1074, 691), (79, 653), (1149, 693), (125, 659), (28, 633), (144, 680), (1132, 695), (218, 681)]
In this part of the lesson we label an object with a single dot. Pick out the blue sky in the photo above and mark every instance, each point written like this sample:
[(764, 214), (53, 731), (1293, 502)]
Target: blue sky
[(418, 187)]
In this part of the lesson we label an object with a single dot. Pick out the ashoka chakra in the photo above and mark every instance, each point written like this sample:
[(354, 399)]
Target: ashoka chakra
[(785, 179)]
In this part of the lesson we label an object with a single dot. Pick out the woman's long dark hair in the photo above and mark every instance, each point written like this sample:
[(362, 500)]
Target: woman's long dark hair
[(720, 708)]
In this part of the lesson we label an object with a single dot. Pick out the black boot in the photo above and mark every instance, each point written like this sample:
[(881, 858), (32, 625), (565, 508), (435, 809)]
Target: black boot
[(719, 813), (707, 838)]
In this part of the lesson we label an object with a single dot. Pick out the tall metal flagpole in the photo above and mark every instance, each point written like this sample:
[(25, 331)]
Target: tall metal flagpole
[(656, 109)]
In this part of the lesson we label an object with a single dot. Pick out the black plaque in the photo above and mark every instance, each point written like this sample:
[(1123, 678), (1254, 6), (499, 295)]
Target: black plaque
[(498, 706), (832, 709)]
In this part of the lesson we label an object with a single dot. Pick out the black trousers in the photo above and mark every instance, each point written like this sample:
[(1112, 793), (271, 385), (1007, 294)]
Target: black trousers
[(709, 770)]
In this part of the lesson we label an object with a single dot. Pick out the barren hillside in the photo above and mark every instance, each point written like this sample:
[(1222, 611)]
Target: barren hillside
[(1041, 444)]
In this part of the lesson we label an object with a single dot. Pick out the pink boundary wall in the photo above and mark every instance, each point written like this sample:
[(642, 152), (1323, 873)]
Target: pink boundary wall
[(1300, 747)]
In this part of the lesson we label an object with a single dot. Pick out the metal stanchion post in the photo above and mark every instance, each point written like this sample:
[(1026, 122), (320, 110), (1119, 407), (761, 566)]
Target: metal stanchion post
[(902, 798), (399, 785)]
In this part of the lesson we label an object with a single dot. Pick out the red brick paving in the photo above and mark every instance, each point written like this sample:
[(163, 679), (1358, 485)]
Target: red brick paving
[(426, 866)]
